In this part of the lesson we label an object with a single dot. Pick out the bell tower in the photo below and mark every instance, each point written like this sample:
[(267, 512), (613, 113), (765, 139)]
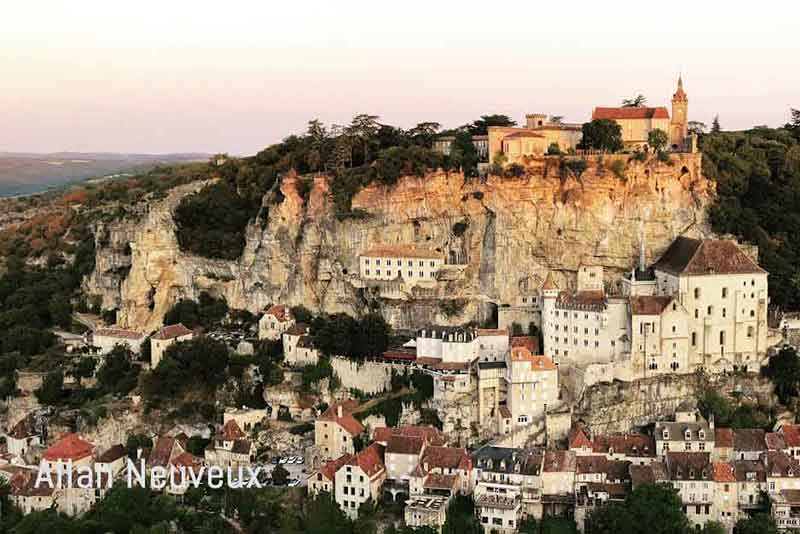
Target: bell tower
[(679, 123)]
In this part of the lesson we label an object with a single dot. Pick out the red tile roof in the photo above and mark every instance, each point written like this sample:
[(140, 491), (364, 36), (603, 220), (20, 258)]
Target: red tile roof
[(370, 460), (438, 481), (491, 332), (446, 458), (775, 441), (280, 312), (114, 453), (188, 461), (723, 472), (231, 431), (791, 435), (399, 444), (162, 451), (630, 113), (723, 438), (297, 329), (346, 421), (549, 283), (578, 438), (330, 467), (70, 447), (171, 332), (590, 464), (529, 342), (627, 444)]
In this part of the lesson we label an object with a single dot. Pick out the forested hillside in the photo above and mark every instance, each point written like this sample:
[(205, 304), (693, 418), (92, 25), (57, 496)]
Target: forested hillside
[(758, 186)]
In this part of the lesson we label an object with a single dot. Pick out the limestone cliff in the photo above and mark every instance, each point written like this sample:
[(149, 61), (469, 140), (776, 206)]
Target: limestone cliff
[(513, 231)]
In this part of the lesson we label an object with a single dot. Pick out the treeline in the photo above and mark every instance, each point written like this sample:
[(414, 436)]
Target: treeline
[(758, 198)]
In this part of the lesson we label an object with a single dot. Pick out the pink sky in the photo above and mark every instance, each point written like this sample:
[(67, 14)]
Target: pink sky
[(235, 76)]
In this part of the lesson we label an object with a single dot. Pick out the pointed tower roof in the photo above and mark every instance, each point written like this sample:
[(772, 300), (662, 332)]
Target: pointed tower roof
[(549, 283), (679, 95)]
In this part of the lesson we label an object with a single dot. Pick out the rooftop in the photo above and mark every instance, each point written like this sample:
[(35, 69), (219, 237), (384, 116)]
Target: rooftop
[(172, 331), (280, 312), (707, 256), (69, 447), (625, 113), (118, 333)]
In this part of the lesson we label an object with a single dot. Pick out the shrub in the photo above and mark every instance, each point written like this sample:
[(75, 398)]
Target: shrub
[(452, 307), (515, 170), (460, 227), (553, 150), (618, 168), (577, 167)]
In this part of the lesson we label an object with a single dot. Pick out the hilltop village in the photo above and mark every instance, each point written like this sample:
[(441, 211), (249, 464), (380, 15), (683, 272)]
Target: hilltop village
[(584, 386)]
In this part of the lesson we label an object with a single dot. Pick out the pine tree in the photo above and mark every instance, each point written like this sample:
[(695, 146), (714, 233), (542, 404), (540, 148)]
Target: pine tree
[(715, 127)]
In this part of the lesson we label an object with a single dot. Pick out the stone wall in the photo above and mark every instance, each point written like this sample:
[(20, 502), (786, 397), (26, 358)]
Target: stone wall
[(370, 377)]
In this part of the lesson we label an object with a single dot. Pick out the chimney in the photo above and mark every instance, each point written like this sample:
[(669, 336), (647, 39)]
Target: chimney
[(339, 411)]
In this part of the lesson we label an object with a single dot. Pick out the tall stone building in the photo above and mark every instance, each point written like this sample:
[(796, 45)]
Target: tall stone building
[(679, 124)]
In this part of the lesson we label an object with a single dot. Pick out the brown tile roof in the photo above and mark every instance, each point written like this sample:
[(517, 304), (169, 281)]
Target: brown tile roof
[(549, 283), (297, 329), (120, 333), (749, 439), (23, 484), (638, 445), (792, 496), (404, 445), (791, 435), (689, 465), (624, 113), (781, 464), (438, 481), (529, 342), (171, 332), (723, 472), (582, 300), (280, 312), (617, 470), (242, 446), (370, 460), (231, 431), (590, 464), (187, 460), (23, 429), (69, 447), (723, 438), (649, 304), (162, 451), (559, 461), (346, 421), (538, 362), (491, 332), (112, 454), (707, 256), (446, 458), (616, 491), (774, 441), (401, 251), (749, 470)]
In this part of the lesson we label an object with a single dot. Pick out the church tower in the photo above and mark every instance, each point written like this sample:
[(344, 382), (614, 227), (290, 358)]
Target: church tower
[(679, 123)]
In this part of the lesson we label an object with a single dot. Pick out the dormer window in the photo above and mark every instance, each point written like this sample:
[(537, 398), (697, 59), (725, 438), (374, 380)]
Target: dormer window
[(665, 434), (687, 434), (701, 434)]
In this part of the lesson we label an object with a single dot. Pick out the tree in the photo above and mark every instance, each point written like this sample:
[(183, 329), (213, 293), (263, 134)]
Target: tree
[(657, 506), (83, 369), (279, 475), (577, 167), (318, 136), (794, 123), (364, 128), (715, 127), (557, 119), (481, 126), (463, 153), (602, 134), (202, 358), (657, 139), (635, 102), (373, 336), (784, 371), (117, 374), (696, 127), (323, 516), (757, 524), (553, 150), (461, 517), (713, 527), (52, 388), (424, 133)]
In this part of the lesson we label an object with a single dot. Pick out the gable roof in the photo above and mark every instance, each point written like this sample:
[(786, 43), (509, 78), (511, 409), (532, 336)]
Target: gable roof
[(529, 342), (791, 435), (623, 113), (431, 434), (69, 447), (162, 451), (346, 421), (114, 453), (708, 256), (280, 312), (231, 431), (171, 332), (639, 445), (689, 465), (723, 438), (774, 441), (331, 466), (446, 458), (578, 438), (749, 439), (370, 460), (399, 444), (723, 472), (649, 304)]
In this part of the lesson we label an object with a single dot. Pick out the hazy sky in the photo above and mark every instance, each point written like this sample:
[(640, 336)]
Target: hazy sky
[(234, 76)]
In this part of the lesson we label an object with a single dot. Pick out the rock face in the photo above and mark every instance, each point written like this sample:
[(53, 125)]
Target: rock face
[(513, 231)]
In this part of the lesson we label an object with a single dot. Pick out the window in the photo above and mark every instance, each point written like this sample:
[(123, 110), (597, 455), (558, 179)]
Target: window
[(696, 313), (710, 310), (410, 274), (673, 329), (377, 262), (399, 262), (722, 337), (724, 292), (749, 331), (724, 312), (421, 274), (432, 264), (378, 272), (697, 292), (421, 263), (367, 271), (752, 313), (694, 339)]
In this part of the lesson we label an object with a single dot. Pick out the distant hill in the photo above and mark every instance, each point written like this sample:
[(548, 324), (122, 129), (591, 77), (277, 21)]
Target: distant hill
[(25, 173)]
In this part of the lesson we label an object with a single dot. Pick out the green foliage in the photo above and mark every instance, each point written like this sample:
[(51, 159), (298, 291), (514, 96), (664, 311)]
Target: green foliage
[(577, 167), (452, 307), (280, 474), (52, 389), (341, 335), (207, 313), (618, 168), (602, 134), (553, 150), (463, 154), (203, 358), (83, 369), (481, 126), (118, 375), (515, 170), (657, 139), (136, 442), (461, 517), (302, 314), (729, 414), (312, 374), (460, 227), (758, 199), (757, 524), (784, 371), (657, 506)]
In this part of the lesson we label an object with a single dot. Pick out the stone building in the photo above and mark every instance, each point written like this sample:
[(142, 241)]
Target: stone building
[(533, 140), (408, 263), (165, 338), (298, 348), (275, 321), (335, 430), (508, 486), (230, 447), (106, 339), (690, 432), (531, 384), (24, 435), (69, 450), (360, 479)]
